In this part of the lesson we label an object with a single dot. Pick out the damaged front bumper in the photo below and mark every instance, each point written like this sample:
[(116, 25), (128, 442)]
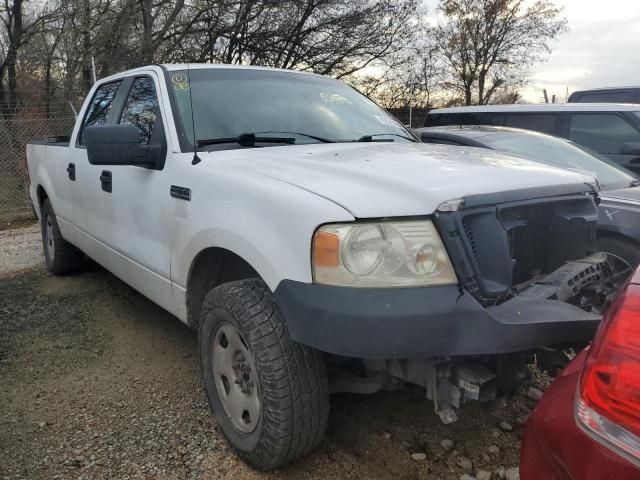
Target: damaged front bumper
[(412, 323)]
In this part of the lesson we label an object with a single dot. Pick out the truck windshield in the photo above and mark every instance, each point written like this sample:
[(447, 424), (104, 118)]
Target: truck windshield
[(232, 102)]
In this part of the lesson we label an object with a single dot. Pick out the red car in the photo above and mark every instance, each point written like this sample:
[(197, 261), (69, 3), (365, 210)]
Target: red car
[(587, 425)]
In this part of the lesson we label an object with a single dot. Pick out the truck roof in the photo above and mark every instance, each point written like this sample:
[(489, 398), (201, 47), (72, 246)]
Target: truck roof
[(227, 66), (205, 66), (544, 107)]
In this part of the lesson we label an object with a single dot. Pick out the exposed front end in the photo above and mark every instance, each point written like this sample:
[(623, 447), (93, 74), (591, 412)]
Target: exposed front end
[(528, 277)]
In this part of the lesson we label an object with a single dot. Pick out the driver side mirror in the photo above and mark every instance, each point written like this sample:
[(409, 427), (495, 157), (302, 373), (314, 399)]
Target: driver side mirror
[(120, 145), (630, 148)]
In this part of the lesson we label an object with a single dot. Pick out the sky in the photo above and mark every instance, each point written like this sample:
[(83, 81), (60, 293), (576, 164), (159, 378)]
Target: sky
[(601, 49)]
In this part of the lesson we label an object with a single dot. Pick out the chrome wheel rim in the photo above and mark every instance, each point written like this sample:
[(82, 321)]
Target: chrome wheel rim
[(235, 378), (49, 241)]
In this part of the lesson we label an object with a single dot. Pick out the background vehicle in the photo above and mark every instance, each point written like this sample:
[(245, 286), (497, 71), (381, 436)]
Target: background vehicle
[(619, 208), (288, 249), (606, 95), (587, 424), (612, 130)]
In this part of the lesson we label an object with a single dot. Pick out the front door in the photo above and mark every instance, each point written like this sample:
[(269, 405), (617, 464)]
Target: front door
[(137, 210)]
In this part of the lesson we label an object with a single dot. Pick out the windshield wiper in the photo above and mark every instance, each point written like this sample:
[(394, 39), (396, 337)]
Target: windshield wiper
[(314, 137), (634, 183), (369, 138), (246, 140)]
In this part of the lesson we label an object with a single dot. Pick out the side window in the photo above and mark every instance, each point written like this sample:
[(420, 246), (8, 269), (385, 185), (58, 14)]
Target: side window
[(100, 106), (141, 108), (604, 133), (545, 123), (488, 119)]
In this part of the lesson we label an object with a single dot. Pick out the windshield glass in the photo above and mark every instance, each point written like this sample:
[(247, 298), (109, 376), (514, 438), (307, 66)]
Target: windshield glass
[(230, 102), (561, 153)]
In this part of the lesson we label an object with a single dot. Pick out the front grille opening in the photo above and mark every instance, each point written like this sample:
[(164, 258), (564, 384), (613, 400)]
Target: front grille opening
[(514, 244), (468, 231), (543, 237)]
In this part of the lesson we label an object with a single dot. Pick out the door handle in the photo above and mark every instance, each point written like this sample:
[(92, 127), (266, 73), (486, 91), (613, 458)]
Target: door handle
[(71, 170), (106, 181)]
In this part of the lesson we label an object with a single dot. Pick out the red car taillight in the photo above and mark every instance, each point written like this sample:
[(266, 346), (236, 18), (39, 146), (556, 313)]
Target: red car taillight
[(608, 404)]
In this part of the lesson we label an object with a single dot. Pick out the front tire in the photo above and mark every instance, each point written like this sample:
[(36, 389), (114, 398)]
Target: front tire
[(270, 395), (628, 251), (60, 256)]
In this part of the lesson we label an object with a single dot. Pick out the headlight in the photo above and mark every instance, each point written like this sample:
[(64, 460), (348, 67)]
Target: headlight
[(381, 254)]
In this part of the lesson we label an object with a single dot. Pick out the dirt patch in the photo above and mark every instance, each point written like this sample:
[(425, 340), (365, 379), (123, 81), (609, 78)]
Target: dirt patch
[(20, 248), (28, 221), (98, 382)]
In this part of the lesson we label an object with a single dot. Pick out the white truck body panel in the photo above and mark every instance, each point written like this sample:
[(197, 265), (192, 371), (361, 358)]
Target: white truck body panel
[(262, 204), (389, 180)]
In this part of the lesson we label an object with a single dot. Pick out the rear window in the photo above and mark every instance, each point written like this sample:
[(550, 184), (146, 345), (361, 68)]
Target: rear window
[(100, 107)]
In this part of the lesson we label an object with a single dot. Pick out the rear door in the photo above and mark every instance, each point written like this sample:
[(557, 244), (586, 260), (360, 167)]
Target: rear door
[(88, 198)]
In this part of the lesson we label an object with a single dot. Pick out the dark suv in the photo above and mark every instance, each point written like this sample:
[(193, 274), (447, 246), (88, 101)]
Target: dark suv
[(607, 95)]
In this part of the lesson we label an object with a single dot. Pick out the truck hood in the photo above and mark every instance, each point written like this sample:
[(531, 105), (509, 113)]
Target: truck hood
[(396, 179)]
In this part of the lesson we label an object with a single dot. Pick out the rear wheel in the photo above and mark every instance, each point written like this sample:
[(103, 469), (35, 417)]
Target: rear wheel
[(625, 250), (269, 394), (60, 256)]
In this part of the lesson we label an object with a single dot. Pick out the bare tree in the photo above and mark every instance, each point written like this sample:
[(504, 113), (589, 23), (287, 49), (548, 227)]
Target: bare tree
[(15, 31), (489, 45), (331, 37)]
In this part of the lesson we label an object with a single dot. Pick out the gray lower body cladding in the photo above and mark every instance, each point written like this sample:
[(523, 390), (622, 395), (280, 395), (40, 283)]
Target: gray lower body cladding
[(424, 322)]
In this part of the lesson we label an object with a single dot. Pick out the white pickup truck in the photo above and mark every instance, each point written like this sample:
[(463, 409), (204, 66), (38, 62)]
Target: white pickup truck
[(302, 230)]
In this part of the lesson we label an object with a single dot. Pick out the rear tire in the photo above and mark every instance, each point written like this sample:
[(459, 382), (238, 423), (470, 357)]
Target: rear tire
[(625, 249), (245, 351), (60, 256)]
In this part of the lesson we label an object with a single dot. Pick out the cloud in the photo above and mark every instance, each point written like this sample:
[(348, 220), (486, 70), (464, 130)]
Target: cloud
[(600, 50)]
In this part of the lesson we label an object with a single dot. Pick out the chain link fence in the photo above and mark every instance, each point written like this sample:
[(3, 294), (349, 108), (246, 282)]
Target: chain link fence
[(16, 130)]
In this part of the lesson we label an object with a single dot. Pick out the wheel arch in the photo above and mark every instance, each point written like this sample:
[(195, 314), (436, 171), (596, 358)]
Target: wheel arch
[(42, 195), (211, 267)]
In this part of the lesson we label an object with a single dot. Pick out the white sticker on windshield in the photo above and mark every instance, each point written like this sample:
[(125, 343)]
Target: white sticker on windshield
[(386, 120)]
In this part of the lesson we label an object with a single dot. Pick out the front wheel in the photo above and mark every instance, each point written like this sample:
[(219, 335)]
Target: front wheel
[(270, 395), (627, 251)]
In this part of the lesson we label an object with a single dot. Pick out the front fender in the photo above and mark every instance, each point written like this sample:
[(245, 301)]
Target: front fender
[(619, 217), (266, 222)]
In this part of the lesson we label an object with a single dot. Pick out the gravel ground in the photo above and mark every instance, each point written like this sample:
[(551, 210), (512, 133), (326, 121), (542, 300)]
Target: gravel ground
[(98, 382), (20, 248)]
